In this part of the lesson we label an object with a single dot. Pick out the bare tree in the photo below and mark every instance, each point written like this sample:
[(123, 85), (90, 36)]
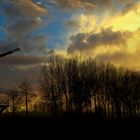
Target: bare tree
[(14, 96), (82, 86), (26, 91)]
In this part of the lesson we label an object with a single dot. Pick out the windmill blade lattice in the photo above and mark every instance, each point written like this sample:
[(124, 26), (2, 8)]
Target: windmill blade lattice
[(7, 48)]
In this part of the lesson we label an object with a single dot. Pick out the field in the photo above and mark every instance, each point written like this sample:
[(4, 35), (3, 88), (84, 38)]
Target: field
[(69, 127)]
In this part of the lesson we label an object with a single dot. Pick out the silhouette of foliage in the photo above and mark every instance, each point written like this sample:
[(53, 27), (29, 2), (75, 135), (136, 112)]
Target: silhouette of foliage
[(85, 86)]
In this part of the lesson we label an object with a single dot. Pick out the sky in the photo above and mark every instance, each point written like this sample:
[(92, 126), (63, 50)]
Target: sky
[(105, 30)]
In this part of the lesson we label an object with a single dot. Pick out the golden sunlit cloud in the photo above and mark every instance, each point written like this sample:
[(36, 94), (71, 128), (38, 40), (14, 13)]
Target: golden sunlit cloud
[(111, 38), (129, 22), (87, 23)]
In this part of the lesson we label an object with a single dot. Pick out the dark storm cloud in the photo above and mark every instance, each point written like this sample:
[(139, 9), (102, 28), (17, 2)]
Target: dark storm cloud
[(83, 41)]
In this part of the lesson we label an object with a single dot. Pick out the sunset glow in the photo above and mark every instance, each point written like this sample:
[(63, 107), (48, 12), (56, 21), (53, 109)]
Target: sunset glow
[(107, 31)]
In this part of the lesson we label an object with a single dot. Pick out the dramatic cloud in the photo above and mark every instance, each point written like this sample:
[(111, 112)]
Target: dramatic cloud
[(68, 4), (106, 37), (23, 18), (22, 60), (121, 58), (115, 56), (34, 44), (73, 24), (132, 6), (14, 68), (25, 8), (83, 3), (125, 1), (13, 75), (20, 28)]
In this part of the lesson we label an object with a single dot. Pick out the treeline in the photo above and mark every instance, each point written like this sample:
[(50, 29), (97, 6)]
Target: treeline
[(17, 98), (86, 87), (72, 86)]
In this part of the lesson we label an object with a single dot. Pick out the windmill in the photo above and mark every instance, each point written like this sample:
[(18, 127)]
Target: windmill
[(7, 48)]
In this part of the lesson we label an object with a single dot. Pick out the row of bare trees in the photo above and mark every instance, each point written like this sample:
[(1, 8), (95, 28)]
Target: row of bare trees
[(19, 96), (85, 86), (79, 86)]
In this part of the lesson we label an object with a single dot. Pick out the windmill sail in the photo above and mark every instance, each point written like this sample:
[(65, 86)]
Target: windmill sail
[(8, 48)]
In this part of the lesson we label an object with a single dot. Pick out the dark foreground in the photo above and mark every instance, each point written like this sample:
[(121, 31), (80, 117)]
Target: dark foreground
[(69, 128)]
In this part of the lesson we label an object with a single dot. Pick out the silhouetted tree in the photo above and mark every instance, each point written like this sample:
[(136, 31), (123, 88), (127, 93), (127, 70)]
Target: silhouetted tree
[(26, 91), (78, 86), (14, 96)]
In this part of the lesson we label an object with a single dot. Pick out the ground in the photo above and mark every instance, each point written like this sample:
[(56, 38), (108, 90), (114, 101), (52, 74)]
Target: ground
[(69, 128)]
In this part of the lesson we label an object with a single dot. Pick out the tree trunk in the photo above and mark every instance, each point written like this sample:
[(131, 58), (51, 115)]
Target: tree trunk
[(13, 107), (26, 105)]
